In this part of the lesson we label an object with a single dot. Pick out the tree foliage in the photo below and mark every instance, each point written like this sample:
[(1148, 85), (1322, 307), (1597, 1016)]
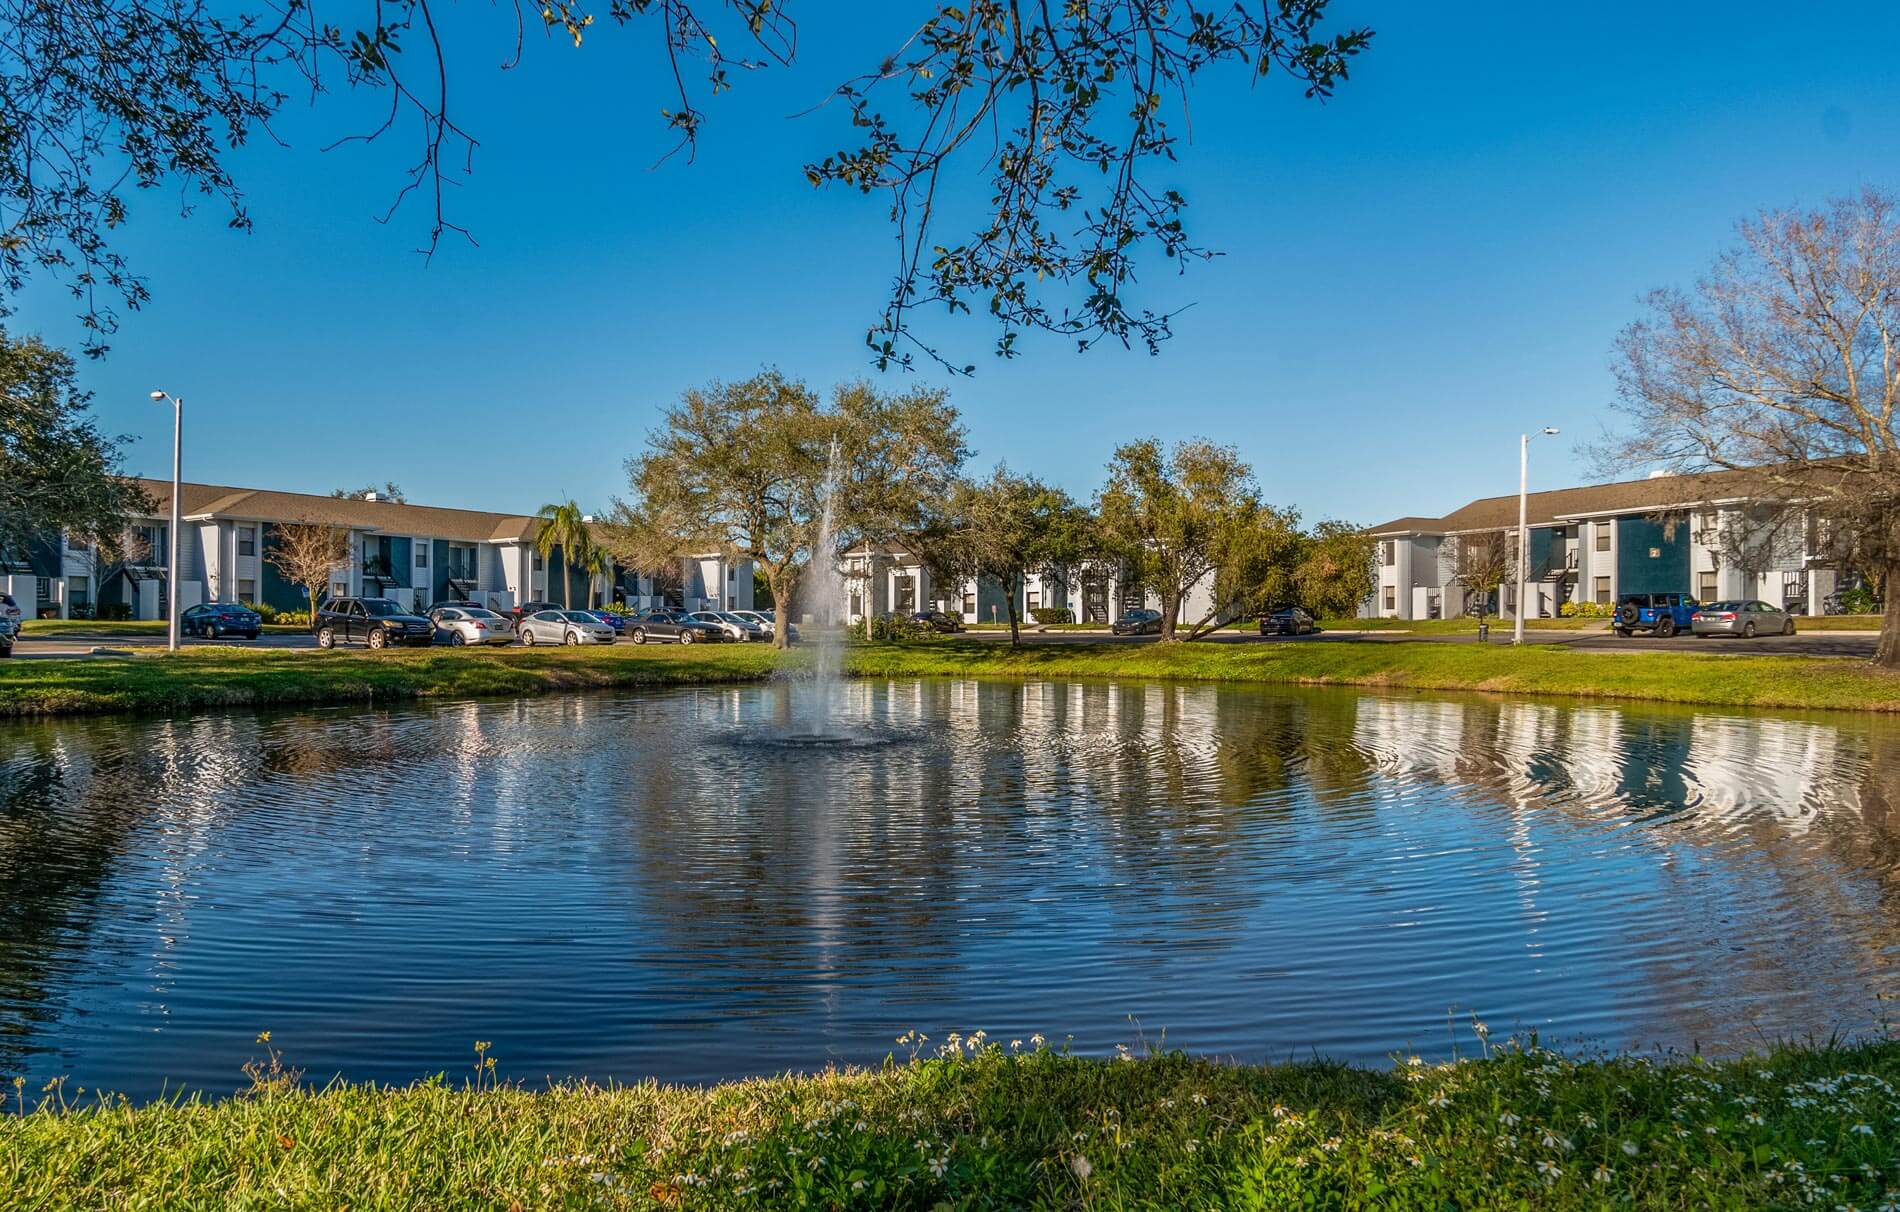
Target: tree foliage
[(1045, 123), (741, 469), (563, 525), (306, 553), (390, 491), (1336, 572), (57, 471), (1481, 563), (1173, 516), (1004, 529), (1783, 362)]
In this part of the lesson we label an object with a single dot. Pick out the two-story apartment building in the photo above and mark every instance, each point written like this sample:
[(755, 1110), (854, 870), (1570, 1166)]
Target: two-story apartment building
[(1663, 534), (890, 578), (415, 554)]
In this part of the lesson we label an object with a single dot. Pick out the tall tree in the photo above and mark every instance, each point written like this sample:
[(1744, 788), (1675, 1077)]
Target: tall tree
[(1171, 516), (563, 525), (1004, 529), (1784, 362), (307, 553), (741, 469), (1336, 572), (1255, 553), (57, 471), (1481, 563), (1040, 125)]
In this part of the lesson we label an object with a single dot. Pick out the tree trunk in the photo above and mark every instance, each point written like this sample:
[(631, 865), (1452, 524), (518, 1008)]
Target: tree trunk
[(1015, 639), (1170, 607), (781, 615), (1887, 651)]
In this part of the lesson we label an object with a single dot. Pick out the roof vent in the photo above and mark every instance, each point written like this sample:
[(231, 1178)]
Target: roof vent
[(372, 496), (1661, 473)]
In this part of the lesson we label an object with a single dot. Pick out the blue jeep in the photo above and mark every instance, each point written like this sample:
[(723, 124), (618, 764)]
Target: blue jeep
[(1665, 614)]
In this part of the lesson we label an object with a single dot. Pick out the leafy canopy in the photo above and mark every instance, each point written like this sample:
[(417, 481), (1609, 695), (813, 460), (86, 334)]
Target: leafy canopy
[(1040, 126)]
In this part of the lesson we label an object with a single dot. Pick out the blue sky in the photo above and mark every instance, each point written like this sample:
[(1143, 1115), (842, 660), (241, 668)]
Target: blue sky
[(1414, 272)]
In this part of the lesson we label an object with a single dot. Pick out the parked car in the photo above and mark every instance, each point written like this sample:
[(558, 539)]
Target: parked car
[(1662, 613), (463, 624), (9, 609), (221, 620), (617, 622), (563, 627), (672, 625), (1137, 622), (936, 620), (378, 622), (1741, 618), (524, 609), (9, 631), (736, 628), (1288, 620), (768, 622)]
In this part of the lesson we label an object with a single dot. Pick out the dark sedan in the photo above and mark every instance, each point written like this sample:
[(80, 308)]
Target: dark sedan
[(1138, 622), (672, 625), (1290, 620), (221, 621), (936, 620)]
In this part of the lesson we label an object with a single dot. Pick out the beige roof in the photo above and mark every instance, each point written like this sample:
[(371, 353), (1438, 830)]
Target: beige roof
[(1544, 508), (253, 504)]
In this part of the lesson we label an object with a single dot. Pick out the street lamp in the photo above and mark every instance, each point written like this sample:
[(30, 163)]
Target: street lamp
[(1523, 527), (171, 536)]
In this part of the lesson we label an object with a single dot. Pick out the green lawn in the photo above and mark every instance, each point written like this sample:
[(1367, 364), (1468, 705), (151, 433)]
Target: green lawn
[(220, 676), (1008, 1125), (64, 627)]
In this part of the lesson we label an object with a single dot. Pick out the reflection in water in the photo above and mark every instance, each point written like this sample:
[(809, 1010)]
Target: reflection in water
[(625, 885)]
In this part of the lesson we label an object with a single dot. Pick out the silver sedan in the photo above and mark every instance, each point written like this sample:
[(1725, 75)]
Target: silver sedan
[(1741, 618), (563, 627), (462, 625), (735, 627)]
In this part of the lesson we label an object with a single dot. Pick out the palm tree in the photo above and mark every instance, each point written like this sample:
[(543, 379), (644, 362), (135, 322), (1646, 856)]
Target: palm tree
[(564, 526), (599, 564)]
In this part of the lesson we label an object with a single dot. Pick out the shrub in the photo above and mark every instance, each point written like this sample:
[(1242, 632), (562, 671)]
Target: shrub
[(117, 612), (79, 610), (1052, 614), (1585, 610), (1857, 601)]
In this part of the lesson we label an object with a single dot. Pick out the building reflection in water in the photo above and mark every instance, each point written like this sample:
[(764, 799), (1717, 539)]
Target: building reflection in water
[(624, 885)]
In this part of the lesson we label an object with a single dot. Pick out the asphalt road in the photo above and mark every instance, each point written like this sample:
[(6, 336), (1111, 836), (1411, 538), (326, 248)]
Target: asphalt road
[(1815, 643)]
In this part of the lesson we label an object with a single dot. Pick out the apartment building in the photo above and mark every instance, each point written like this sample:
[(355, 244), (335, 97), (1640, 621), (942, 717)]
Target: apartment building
[(889, 578), (1663, 534), (415, 554)]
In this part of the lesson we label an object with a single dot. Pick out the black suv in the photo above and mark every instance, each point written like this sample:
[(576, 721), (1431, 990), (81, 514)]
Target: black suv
[(377, 622)]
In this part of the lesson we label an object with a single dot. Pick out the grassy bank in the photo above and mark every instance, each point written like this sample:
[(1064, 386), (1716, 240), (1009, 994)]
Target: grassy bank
[(1012, 1125), (221, 676), (1715, 679), (52, 628)]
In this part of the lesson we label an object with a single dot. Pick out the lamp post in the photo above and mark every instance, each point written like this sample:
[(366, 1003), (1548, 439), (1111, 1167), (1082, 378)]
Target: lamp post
[(171, 536), (1523, 527)]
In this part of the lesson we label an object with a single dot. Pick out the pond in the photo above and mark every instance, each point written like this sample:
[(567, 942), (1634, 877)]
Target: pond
[(632, 885)]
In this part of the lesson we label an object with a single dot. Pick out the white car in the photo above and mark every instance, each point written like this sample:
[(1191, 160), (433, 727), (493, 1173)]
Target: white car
[(735, 626), (9, 609), (471, 625), (563, 627), (767, 622)]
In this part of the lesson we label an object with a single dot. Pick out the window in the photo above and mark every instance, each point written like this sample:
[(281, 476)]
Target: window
[(78, 591), (1603, 591), (1391, 598), (247, 591), (1033, 600), (969, 602), (247, 542), (1705, 586), (422, 554), (538, 565), (1388, 553), (1603, 536)]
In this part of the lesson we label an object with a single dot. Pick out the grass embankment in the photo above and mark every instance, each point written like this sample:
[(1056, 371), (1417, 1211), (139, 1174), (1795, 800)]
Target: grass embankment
[(1001, 1128), (1715, 679), (229, 676), (53, 628), (220, 676)]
